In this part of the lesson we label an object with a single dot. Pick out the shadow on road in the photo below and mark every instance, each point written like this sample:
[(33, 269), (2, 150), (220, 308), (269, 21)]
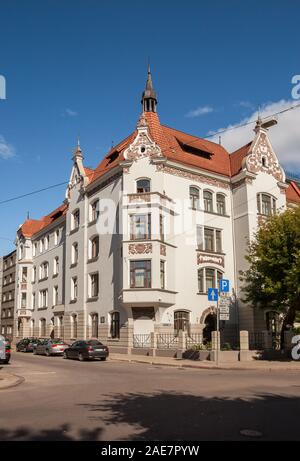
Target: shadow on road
[(171, 416), (61, 433)]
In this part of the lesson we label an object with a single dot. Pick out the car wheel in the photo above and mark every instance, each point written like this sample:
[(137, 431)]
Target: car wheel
[(103, 359), (81, 358), (47, 353), (65, 355), (6, 362)]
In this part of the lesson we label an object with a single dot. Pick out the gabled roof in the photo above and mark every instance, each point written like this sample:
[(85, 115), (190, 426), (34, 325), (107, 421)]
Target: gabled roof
[(32, 226), (237, 157), (293, 193), (176, 146)]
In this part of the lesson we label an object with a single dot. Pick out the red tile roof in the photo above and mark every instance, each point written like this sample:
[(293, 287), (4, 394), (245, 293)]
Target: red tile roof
[(175, 145), (32, 226), (293, 193), (237, 157)]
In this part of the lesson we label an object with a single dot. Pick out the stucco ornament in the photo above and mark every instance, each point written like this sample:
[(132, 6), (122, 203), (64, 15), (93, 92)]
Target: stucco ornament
[(142, 146), (262, 158)]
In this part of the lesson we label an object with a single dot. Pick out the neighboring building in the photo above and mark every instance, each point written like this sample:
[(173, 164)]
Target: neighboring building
[(183, 209), (8, 294), (1, 281)]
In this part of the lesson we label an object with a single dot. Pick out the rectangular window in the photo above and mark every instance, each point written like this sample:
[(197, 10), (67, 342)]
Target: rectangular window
[(201, 280), (140, 227), (33, 300), (24, 274), (140, 274), (94, 285), (75, 220), (218, 241), (44, 298), (23, 300), (161, 228), (162, 275), (210, 278), (115, 325), (209, 239)]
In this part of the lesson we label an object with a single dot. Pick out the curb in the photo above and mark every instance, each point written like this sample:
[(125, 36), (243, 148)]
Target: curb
[(13, 381), (203, 367)]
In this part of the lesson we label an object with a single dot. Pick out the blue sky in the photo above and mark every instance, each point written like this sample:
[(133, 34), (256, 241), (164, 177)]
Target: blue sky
[(79, 67)]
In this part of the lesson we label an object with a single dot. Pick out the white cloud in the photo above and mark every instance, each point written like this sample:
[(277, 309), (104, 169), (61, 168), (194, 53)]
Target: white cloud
[(6, 150), (285, 137), (70, 113), (199, 111)]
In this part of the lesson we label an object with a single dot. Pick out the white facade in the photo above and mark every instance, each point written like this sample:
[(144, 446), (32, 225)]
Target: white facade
[(123, 285)]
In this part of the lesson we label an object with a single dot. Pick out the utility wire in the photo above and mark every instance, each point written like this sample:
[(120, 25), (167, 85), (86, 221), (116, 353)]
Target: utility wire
[(163, 150)]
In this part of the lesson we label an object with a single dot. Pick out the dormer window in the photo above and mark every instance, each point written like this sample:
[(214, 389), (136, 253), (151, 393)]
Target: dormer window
[(143, 186)]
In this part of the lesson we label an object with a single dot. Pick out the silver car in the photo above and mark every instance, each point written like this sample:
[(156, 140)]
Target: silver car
[(50, 347)]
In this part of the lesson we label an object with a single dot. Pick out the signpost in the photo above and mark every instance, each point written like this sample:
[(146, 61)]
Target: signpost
[(223, 305)]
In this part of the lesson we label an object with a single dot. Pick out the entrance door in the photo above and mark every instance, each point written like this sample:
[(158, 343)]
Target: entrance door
[(210, 326), (143, 320)]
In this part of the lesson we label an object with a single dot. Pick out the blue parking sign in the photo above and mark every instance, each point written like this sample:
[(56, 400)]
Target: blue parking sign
[(224, 285), (212, 294)]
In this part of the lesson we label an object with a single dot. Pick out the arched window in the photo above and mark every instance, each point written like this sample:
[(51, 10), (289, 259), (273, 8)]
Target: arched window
[(95, 323), (221, 208), (208, 200), (75, 253), (42, 328), (194, 198), (94, 247), (56, 266), (143, 186), (266, 204), (74, 326), (75, 220), (115, 324), (181, 321), (94, 210)]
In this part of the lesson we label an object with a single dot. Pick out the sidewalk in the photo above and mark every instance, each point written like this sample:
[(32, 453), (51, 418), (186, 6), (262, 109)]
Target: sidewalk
[(8, 380), (263, 365)]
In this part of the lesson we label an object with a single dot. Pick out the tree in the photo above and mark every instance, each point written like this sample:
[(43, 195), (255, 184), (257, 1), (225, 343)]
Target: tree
[(273, 277)]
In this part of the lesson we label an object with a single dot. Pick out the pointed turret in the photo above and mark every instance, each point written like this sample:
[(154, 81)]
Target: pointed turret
[(149, 97)]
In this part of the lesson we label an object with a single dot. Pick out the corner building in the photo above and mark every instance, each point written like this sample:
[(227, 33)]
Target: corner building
[(130, 254)]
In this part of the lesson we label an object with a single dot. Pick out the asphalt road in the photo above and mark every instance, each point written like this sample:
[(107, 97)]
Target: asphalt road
[(69, 400)]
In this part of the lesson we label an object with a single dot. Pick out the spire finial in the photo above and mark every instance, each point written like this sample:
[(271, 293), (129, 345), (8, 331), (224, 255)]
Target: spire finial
[(77, 151), (149, 98)]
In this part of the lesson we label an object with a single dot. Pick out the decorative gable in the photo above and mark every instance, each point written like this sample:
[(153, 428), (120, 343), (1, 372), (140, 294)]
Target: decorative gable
[(262, 158), (142, 146)]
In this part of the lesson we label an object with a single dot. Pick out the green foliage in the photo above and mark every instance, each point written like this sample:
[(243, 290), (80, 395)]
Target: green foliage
[(226, 347), (273, 277)]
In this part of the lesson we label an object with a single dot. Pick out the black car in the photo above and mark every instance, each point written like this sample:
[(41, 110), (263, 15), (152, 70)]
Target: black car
[(26, 344), (87, 350)]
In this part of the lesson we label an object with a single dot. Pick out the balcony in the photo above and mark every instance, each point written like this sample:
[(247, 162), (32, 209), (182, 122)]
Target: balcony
[(26, 313), (147, 198), (141, 297)]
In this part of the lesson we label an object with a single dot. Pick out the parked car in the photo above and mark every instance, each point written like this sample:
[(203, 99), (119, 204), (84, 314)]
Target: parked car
[(50, 347), (7, 352), (27, 344), (87, 350)]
